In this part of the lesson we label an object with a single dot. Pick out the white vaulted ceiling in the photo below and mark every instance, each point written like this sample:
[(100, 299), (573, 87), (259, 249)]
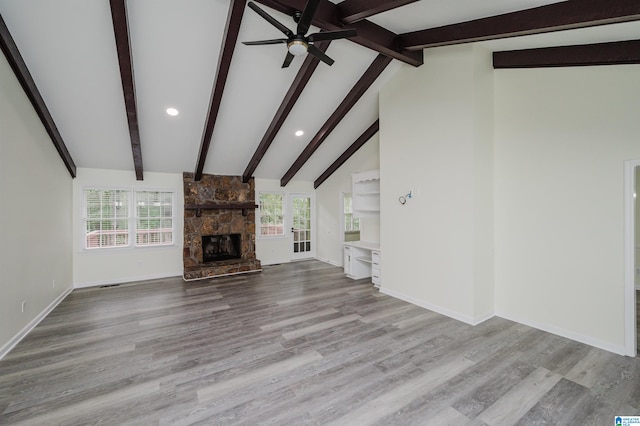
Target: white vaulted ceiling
[(70, 50)]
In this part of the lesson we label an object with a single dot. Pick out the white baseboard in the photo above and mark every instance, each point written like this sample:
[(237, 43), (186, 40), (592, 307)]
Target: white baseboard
[(329, 261), (482, 318), (559, 331), (439, 309), (4, 350), (126, 280)]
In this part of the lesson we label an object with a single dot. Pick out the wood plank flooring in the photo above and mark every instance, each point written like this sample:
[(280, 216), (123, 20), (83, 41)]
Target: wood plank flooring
[(298, 344)]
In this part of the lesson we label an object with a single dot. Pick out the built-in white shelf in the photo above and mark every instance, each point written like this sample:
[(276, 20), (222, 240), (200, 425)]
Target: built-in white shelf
[(366, 192)]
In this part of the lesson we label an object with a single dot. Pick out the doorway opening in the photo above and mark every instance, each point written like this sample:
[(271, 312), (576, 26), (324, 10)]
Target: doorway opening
[(632, 256), (636, 250)]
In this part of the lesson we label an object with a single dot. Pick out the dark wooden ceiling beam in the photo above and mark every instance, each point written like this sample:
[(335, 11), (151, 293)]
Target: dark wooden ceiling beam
[(614, 53), (351, 11), (299, 83), (553, 17), (370, 75), (11, 52), (359, 143), (369, 35), (229, 39), (123, 47)]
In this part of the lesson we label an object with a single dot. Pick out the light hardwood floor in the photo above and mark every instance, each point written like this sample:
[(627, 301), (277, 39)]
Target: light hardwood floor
[(298, 344)]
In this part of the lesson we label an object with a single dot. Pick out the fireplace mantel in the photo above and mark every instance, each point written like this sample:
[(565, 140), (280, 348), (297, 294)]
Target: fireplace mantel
[(245, 207)]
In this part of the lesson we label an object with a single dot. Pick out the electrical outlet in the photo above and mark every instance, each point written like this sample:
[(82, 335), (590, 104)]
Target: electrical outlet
[(24, 304), (54, 284)]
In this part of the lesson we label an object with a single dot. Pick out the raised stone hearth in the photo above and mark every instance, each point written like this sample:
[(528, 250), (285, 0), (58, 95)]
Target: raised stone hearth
[(232, 218)]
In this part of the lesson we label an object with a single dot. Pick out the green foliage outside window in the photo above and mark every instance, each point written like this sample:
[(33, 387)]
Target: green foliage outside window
[(271, 214)]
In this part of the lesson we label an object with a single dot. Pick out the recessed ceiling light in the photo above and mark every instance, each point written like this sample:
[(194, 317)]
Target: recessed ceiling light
[(172, 112), (299, 133)]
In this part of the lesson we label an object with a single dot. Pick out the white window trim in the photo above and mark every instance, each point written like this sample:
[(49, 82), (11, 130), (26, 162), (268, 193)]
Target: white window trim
[(132, 218), (284, 216)]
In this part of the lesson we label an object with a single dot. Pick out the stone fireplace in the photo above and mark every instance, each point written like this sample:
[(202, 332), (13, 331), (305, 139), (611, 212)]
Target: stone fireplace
[(219, 226)]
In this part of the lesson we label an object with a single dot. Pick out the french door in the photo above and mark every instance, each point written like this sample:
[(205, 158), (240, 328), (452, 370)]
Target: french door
[(301, 207)]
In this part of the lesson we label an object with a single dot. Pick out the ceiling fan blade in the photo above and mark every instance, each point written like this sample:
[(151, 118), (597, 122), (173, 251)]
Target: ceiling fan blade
[(320, 55), (270, 19), (305, 19), (332, 35), (261, 42), (287, 60)]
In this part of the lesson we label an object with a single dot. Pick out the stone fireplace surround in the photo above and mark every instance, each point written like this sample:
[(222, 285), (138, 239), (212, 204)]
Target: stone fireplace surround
[(229, 191)]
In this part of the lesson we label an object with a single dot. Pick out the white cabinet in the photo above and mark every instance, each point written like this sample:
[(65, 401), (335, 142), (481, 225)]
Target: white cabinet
[(347, 260), (365, 191), (375, 268), (362, 260)]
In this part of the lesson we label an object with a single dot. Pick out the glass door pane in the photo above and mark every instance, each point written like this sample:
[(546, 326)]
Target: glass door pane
[(301, 212)]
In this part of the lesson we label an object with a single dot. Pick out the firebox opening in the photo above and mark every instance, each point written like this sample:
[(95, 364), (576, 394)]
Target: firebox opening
[(220, 247)]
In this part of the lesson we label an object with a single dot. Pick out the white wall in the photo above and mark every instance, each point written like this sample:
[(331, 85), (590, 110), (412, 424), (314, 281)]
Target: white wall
[(328, 200), (35, 216), (274, 250), (562, 136), (637, 228), (108, 266), (436, 139)]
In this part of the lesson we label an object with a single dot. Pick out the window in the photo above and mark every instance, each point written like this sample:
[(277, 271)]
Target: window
[(106, 218), (271, 214), (110, 220), (154, 218), (351, 224)]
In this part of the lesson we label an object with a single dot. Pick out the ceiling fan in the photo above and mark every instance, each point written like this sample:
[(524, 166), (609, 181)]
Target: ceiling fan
[(298, 43)]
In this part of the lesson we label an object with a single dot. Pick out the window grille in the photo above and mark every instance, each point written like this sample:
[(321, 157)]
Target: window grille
[(351, 223), (271, 214), (106, 218), (112, 220), (154, 218)]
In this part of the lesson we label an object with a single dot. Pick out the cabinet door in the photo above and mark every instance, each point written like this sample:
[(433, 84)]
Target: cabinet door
[(347, 260)]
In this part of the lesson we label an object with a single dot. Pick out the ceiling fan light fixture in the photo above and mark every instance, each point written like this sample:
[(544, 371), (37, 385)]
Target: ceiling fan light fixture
[(298, 43), (297, 47)]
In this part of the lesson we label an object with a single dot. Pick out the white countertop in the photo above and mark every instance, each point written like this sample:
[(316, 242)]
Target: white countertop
[(364, 244)]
